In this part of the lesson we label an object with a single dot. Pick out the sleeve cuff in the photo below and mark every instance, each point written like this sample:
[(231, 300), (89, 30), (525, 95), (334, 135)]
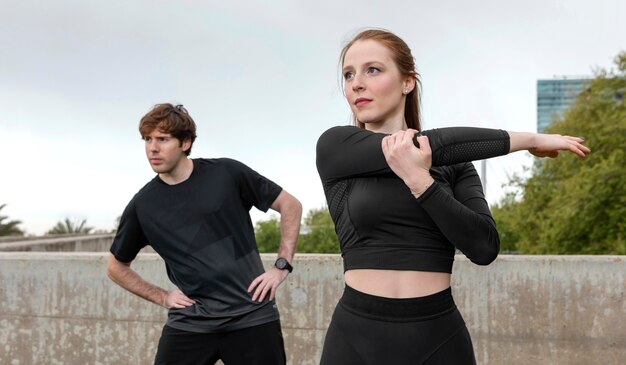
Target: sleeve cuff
[(429, 192)]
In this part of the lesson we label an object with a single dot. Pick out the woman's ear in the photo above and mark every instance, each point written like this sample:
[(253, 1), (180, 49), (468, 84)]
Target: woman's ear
[(409, 84)]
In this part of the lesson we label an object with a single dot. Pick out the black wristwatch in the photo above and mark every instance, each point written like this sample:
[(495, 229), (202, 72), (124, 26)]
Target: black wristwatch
[(282, 264)]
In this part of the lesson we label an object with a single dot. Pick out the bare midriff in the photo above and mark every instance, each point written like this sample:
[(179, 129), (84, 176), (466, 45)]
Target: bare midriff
[(397, 283)]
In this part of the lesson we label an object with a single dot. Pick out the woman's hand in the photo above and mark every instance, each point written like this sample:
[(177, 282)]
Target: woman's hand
[(547, 145), (410, 163)]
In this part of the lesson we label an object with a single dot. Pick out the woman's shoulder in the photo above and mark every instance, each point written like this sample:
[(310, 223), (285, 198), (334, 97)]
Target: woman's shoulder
[(339, 132), (342, 134)]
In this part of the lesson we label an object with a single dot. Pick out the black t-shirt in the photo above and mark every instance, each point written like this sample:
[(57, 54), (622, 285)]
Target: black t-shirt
[(202, 229), (381, 225)]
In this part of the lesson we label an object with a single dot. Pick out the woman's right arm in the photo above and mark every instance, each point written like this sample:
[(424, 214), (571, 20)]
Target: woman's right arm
[(347, 151)]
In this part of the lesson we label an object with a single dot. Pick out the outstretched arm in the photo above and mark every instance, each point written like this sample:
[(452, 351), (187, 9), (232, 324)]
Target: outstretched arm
[(347, 151), (290, 211), (547, 145), (464, 144), (121, 273)]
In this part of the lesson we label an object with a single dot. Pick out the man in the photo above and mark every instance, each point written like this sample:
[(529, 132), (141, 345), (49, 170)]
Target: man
[(195, 214)]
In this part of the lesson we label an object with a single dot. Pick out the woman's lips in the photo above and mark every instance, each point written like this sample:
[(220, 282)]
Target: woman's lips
[(361, 102)]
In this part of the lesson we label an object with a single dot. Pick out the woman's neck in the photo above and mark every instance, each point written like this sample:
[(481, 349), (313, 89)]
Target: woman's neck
[(387, 126)]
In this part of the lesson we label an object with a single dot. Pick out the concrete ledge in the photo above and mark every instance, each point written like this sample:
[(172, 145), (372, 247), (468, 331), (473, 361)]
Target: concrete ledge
[(59, 308), (91, 243)]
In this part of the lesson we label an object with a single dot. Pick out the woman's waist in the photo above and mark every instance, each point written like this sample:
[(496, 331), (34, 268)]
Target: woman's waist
[(398, 309), (397, 283)]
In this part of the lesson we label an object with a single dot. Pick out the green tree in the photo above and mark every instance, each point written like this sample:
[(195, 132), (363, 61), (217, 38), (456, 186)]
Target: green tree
[(10, 228), (267, 234), (569, 205), (321, 237), (68, 226)]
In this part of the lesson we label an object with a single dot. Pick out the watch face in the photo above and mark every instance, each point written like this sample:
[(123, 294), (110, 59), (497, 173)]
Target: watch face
[(282, 264)]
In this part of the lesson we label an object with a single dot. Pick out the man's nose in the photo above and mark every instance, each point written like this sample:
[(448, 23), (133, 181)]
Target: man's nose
[(153, 146)]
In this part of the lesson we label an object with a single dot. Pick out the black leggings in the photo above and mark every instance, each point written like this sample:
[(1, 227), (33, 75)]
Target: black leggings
[(366, 329), (258, 345)]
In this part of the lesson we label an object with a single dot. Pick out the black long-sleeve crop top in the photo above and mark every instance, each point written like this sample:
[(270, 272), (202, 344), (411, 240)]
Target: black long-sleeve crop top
[(379, 222)]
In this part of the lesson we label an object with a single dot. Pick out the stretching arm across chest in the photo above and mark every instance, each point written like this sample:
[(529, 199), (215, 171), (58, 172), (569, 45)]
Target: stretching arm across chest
[(346, 151)]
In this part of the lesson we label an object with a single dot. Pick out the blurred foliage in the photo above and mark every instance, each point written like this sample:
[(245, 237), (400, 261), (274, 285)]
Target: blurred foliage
[(267, 235), (68, 226), (9, 228), (570, 205), (320, 236)]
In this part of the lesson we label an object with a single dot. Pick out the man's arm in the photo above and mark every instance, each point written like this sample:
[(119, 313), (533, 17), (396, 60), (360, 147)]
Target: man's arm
[(121, 273), (290, 211)]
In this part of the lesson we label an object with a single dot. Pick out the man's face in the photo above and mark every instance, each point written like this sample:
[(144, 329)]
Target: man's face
[(164, 152)]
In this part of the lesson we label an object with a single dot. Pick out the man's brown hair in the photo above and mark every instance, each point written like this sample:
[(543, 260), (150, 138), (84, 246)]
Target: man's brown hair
[(171, 119)]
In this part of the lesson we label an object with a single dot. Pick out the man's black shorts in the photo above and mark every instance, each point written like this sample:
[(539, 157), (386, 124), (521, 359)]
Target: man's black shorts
[(258, 345)]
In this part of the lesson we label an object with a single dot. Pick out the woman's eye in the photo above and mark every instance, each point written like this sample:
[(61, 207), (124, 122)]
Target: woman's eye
[(373, 70), (348, 75)]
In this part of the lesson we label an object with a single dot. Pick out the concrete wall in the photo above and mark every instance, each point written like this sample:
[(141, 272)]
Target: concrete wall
[(4, 239), (62, 243), (59, 308), (82, 243)]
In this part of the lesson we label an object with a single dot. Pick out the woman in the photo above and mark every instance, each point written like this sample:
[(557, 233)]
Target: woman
[(399, 220)]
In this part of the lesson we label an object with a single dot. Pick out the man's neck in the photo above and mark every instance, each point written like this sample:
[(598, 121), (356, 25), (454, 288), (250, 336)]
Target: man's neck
[(180, 173)]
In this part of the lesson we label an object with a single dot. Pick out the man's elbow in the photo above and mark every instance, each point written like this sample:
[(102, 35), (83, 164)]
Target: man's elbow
[(110, 271), (290, 205), (110, 274), (297, 207), (114, 268)]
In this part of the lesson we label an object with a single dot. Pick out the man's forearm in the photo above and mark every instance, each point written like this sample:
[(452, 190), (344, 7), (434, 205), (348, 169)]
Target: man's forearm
[(290, 216), (130, 280)]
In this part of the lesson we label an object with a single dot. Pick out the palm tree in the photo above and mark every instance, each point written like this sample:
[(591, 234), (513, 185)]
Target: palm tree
[(10, 228), (68, 226)]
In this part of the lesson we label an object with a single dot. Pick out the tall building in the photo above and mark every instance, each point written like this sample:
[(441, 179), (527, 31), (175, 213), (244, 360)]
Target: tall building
[(554, 96)]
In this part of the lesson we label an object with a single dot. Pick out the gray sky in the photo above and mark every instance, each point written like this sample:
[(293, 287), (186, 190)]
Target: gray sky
[(260, 78)]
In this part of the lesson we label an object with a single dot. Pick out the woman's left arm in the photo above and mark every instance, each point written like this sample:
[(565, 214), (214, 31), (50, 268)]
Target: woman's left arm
[(464, 217)]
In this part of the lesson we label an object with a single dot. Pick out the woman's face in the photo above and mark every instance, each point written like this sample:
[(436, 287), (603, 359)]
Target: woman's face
[(374, 87)]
